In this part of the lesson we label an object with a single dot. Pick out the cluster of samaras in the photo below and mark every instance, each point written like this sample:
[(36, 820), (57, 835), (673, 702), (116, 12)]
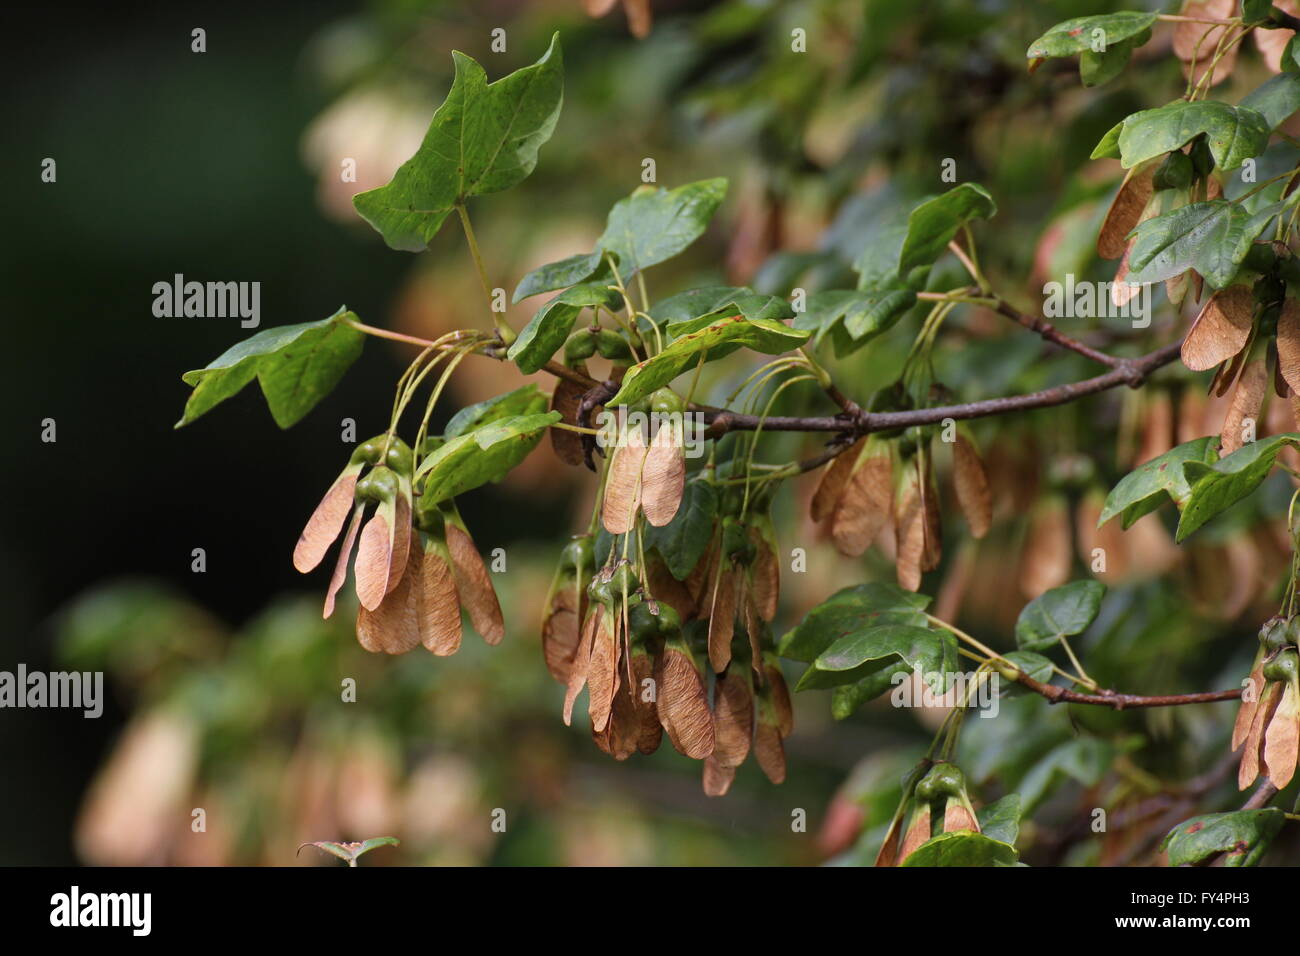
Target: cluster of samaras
[(645, 643)]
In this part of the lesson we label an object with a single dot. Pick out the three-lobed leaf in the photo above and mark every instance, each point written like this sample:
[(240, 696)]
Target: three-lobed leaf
[(484, 138), (295, 365), (1233, 133), (1217, 486), (1146, 487), (1211, 237)]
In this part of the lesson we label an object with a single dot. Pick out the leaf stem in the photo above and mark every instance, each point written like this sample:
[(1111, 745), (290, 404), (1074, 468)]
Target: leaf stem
[(503, 327)]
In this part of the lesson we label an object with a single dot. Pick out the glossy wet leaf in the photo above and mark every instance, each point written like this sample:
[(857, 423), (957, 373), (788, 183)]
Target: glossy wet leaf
[(1233, 133), (583, 267), (1060, 612), (484, 138), (862, 314), (1000, 820), (525, 400), (295, 365), (652, 225), (1244, 835), (936, 222), (701, 303), (849, 610), (480, 456), (1216, 487), (962, 849), (1099, 68), (1146, 487), (761, 335), (1276, 100), (548, 329), (1080, 34), (1210, 237)]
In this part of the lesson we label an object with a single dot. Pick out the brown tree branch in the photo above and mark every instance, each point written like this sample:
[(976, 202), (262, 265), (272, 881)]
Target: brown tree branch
[(1118, 701)]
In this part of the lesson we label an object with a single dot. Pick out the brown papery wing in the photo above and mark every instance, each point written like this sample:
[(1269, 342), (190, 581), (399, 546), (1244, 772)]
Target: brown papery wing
[(474, 585), (325, 523)]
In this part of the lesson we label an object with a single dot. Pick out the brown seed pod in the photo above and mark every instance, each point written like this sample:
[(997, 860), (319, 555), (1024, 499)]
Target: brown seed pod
[(394, 626), (765, 572), (341, 566), (1249, 768), (581, 660), (474, 585), (1282, 740), (831, 487), (957, 817), (401, 540), (1221, 329), (622, 498), (1247, 402), (733, 717), (619, 738), (565, 399), (1121, 290), (663, 476), (1125, 210), (722, 617), (561, 631), (326, 521), (888, 854), (602, 673), (781, 706), (1246, 711), (717, 778), (865, 501), (909, 529), (439, 604), (374, 561), (683, 705), (1288, 343), (917, 833), (768, 749), (972, 485), (644, 692)]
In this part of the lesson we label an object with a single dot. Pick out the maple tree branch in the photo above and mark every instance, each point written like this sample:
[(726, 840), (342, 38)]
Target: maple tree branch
[(1118, 701)]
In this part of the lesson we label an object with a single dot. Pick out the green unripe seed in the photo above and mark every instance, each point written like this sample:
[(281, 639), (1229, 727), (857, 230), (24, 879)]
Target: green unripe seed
[(1175, 172), (580, 347), (1201, 157), (1283, 667), (380, 485), (944, 780), (1273, 635), (666, 402), (578, 553), (612, 346)]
